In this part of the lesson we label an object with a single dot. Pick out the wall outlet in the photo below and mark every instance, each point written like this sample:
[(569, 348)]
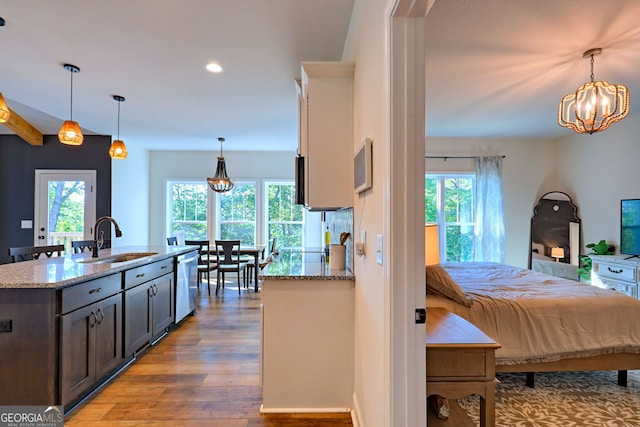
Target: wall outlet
[(379, 249), (5, 325), (360, 249)]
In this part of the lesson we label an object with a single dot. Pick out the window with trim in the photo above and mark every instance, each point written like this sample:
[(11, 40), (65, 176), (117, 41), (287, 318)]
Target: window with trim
[(449, 201), (236, 217), (284, 219), (187, 210)]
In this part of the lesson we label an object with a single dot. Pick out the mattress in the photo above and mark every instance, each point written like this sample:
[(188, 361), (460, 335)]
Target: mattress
[(541, 318)]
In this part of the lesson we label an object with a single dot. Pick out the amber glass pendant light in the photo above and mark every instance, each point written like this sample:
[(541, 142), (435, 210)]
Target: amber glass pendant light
[(220, 183), (118, 149), (70, 132)]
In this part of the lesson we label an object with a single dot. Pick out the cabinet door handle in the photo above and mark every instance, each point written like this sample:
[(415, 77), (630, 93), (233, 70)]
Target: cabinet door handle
[(614, 271), (101, 318), (155, 289), (164, 267), (92, 319), (93, 291)]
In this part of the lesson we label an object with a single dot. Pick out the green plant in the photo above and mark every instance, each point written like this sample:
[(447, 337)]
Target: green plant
[(600, 248)]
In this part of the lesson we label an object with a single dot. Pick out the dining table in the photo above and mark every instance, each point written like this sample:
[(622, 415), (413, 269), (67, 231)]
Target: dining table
[(257, 251)]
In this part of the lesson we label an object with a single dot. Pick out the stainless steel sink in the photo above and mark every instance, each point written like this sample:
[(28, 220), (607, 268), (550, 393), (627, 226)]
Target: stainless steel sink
[(128, 256)]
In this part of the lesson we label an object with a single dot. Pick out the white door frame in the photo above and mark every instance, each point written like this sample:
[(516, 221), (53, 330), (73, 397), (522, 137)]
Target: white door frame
[(404, 214), (41, 203)]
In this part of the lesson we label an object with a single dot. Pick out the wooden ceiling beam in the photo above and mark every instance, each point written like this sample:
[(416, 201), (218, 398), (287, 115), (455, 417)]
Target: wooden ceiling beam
[(24, 129)]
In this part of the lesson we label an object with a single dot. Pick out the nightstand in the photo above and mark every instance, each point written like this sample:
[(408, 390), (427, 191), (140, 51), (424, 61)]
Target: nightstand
[(460, 362)]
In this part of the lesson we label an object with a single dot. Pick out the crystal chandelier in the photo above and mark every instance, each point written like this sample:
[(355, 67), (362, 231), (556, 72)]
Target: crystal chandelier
[(220, 183), (595, 105)]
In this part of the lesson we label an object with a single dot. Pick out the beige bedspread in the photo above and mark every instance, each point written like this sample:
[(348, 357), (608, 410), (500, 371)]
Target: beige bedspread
[(541, 318)]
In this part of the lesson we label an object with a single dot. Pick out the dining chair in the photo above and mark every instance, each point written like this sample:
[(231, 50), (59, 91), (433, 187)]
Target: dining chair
[(261, 264), (27, 253), (79, 246), (205, 267), (172, 241), (229, 261)]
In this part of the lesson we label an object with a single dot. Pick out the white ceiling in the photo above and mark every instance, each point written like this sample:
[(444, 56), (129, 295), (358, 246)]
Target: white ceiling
[(153, 52), (495, 68)]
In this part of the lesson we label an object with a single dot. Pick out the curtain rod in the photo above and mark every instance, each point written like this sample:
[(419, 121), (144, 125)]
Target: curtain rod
[(458, 157)]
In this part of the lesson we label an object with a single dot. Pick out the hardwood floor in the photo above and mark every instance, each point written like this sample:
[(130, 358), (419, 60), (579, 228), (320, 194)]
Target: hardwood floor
[(204, 373)]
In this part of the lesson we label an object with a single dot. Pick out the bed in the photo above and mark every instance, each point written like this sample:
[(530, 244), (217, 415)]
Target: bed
[(544, 323)]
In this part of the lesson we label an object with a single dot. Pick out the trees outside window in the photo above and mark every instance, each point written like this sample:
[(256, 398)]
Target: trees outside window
[(237, 213), (284, 219), (450, 203), (188, 209)]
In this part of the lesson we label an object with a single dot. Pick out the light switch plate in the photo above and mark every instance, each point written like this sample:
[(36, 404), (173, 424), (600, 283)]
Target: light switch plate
[(26, 223), (379, 249)]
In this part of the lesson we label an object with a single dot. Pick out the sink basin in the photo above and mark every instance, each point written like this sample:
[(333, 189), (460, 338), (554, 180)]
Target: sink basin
[(129, 256)]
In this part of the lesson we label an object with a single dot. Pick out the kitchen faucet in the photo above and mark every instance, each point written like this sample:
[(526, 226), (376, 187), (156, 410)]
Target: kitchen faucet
[(95, 232)]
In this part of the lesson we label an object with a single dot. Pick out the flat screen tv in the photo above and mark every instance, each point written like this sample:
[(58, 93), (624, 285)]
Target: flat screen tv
[(630, 227)]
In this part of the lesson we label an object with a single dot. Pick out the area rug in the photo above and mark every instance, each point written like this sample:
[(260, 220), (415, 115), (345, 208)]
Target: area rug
[(559, 399)]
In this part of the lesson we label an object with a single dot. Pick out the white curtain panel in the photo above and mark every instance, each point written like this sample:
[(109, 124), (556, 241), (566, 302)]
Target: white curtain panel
[(488, 243)]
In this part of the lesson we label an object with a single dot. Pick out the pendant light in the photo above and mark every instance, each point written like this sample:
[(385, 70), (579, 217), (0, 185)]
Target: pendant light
[(220, 183), (595, 105), (5, 113), (70, 132), (118, 149)]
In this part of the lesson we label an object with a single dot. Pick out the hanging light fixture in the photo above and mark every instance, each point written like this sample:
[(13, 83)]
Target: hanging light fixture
[(70, 132), (118, 149), (595, 105), (220, 183), (5, 113)]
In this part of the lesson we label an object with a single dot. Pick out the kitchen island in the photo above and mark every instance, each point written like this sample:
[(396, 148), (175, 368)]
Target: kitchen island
[(307, 336), (67, 324)]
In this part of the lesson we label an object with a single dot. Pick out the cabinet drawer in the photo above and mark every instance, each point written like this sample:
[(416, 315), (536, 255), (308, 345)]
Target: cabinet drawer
[(630, 289), (147, 272), (456, 364), (615, 271), (76, 296)]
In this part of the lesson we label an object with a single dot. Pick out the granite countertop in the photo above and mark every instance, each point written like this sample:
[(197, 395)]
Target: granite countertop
[(58, 272), (302, 266)]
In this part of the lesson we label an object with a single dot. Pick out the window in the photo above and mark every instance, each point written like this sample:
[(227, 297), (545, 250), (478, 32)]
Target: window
[(284, 219), (187, 209), (450, 202), (237, 213)]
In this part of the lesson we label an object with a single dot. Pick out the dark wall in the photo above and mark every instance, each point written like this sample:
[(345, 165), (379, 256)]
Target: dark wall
[(18, 162)]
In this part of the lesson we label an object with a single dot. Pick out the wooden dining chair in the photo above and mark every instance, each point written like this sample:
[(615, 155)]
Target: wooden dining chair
[(229, 261), (79, 246), (205, 267), (27, 253), (261, 264), (172, 241)]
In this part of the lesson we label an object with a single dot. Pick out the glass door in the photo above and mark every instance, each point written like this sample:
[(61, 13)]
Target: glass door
[(65, 206)]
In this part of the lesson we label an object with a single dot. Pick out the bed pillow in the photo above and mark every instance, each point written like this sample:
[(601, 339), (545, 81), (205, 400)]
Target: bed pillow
[(439, 282)]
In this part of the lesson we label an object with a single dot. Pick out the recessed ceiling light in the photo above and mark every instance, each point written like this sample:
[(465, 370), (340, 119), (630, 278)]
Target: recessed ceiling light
[(214, 67)]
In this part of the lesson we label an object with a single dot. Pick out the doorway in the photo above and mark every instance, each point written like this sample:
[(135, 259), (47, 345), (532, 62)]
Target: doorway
[(64, 206)]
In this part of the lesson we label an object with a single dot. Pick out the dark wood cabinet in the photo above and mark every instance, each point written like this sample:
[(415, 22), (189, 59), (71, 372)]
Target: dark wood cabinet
[(90, 346), (149, 311)]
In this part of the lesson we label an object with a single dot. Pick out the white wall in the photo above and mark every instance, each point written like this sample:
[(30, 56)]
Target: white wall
[(198, 165), (366, 45), (601, 169), (528, 171), (130, 197)]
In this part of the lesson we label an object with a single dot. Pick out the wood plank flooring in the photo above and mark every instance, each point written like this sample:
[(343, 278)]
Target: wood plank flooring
[(204, 373)]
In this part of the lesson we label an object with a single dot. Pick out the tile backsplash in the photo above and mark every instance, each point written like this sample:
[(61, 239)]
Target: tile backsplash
[(341, 221)]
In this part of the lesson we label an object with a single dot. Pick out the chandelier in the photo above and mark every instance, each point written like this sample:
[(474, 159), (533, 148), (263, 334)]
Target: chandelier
[(595, 105), (220, 183)]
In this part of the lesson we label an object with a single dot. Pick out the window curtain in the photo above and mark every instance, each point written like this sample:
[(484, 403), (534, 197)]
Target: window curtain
[(488, 243)]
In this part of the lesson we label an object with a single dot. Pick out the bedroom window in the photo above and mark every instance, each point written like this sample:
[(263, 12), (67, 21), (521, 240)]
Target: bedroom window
[(449, 201)]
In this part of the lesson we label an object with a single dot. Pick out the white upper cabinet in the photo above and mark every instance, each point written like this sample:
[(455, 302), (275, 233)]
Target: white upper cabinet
[(325, 101)]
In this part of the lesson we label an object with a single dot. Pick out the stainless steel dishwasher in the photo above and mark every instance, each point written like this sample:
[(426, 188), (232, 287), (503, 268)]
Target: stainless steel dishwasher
[(186, 284)]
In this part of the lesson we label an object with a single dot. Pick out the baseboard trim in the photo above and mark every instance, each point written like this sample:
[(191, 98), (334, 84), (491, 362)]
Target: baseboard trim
[(264, 410), (356, 413)]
